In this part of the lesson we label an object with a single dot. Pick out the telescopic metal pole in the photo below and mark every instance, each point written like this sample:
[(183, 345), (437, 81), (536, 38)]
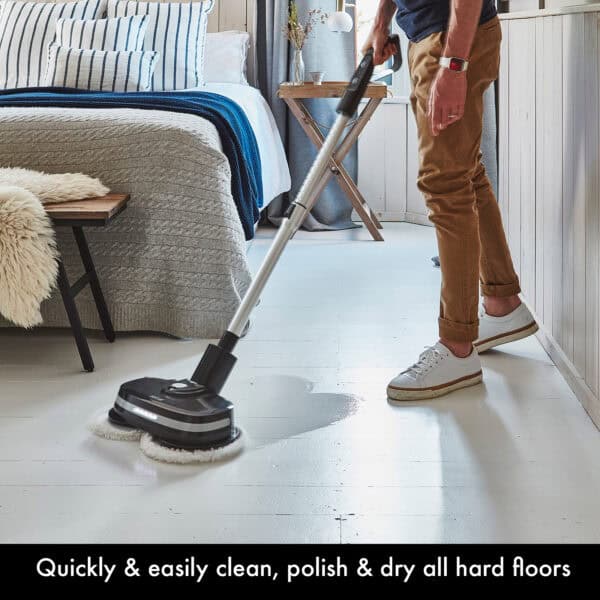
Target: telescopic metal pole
[(291, 223)]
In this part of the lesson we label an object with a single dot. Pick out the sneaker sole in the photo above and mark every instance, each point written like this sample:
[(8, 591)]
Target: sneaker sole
[(406, 394), (505, 338)]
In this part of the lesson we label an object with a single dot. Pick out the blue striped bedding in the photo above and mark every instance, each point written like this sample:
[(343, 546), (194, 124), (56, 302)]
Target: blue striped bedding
[(26, 30), (177, 30), (100, 70), (126, 33)]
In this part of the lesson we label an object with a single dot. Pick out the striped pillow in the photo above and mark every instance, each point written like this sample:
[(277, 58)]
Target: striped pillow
[(26, 29), (178, 32), (102, 34), (102, 70)]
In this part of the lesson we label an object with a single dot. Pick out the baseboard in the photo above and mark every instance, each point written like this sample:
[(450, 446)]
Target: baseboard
[(417, 219), (398, 217), (567, 369)]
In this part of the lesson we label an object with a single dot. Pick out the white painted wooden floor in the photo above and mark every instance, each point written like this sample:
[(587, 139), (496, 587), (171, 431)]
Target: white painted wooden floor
[(329, 460)]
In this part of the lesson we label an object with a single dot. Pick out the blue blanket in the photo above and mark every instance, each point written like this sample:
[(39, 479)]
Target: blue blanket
[(237, 138)]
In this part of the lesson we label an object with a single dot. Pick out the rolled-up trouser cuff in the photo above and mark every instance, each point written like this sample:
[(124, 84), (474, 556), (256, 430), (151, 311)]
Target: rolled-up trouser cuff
[(458, 332), (500, 291)]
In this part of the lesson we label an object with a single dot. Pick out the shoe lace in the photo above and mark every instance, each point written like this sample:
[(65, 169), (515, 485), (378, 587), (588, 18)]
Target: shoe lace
[(427, 360)]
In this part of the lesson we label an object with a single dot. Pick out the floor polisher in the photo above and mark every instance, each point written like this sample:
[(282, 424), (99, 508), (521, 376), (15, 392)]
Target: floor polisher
[(187, 420)]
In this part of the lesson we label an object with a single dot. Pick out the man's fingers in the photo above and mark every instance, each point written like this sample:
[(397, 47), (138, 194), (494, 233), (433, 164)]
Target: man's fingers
[(455, 114), (390, 49), (382, 52), (381, 55), (435, 117), (441, 116), (378, 54), (439, 119), (449, 116)]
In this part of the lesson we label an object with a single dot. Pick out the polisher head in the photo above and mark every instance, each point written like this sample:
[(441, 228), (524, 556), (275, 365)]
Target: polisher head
[(181, 414)]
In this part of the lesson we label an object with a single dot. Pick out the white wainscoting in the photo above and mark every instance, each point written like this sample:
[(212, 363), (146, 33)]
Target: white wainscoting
[(232, 15), (549, 183), (387, 164)]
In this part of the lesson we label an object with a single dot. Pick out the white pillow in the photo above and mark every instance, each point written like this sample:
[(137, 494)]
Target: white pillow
[(225, 57), (178, 32), (126, 33), (26, 29), (102, 70)]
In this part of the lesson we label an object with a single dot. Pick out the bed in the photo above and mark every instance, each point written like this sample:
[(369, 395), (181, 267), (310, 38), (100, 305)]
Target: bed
[(175, 262)]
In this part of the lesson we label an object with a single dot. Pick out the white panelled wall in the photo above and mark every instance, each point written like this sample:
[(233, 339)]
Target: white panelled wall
[(549, 183)]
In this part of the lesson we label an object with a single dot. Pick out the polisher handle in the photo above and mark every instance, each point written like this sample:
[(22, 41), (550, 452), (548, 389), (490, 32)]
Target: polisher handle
[(395, 41), (361, 78)]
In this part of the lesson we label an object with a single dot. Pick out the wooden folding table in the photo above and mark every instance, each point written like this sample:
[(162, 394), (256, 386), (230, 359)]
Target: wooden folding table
[(375, 93)]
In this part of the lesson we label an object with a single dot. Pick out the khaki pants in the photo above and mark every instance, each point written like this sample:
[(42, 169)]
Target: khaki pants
[(471, 241)]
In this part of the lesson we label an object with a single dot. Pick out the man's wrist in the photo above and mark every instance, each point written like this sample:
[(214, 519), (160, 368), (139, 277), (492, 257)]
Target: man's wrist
[(454, 63), (381, 26), (384, 16)]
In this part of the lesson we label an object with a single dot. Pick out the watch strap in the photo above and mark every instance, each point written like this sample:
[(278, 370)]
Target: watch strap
[(453, 63)]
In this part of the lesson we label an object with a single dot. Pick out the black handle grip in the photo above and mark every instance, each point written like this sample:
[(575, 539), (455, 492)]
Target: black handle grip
[(395, 41), (360, 80), (357, 86)]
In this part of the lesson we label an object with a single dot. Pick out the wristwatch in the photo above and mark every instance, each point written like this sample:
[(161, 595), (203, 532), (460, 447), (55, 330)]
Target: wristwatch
[(454, 64)]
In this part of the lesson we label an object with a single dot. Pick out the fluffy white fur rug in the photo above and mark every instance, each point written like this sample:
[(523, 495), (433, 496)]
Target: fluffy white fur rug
[(28, 251), (27, 256), (60, 187)]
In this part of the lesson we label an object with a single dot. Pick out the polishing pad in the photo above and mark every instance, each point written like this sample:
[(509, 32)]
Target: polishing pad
[(156, 451), (103, 428)]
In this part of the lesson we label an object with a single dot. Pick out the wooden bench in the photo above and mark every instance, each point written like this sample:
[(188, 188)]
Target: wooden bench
[(93, 212)]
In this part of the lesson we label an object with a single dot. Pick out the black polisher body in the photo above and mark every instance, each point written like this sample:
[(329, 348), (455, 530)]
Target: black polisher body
[(186, 414), (177, 414)]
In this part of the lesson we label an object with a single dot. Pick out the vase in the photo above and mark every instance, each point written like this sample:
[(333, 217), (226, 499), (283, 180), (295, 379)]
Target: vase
[(298, 67)]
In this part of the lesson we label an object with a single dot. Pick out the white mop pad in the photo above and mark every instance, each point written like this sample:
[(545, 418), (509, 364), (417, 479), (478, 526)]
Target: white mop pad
[(156, 451), (103, 428)]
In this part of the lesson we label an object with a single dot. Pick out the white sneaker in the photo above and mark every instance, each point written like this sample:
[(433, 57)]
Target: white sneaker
[(494, 331), (436, 373)]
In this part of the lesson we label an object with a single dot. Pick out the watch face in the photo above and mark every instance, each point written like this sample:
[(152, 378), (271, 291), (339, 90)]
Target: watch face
[(456, 64)]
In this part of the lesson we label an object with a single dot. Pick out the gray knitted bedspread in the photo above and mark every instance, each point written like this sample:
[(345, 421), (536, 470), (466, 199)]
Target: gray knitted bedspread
[(175, 260)]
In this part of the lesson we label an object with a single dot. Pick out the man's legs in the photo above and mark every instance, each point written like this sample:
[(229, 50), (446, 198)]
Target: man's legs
[(466, 216), (493, 267), (458, 193)]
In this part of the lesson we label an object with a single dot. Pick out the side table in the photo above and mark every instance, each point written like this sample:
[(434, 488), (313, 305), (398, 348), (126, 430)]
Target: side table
[(293, 95)]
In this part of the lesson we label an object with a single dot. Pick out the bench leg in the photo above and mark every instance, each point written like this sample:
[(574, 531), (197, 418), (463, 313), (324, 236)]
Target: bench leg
[(90, 269), (73, 315)]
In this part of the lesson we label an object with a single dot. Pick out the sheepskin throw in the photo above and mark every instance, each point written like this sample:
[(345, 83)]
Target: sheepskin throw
[(28, 254), (59, 187)]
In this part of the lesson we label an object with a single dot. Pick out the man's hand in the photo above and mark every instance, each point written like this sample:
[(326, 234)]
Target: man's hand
[(447, 98), (378, 39), (379, 34)]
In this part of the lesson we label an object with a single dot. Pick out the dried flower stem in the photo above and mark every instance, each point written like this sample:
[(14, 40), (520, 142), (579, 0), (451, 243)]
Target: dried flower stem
[(297, 31)]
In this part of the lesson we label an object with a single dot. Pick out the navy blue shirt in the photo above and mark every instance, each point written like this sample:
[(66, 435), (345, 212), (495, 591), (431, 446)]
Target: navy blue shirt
[(419, 18)]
